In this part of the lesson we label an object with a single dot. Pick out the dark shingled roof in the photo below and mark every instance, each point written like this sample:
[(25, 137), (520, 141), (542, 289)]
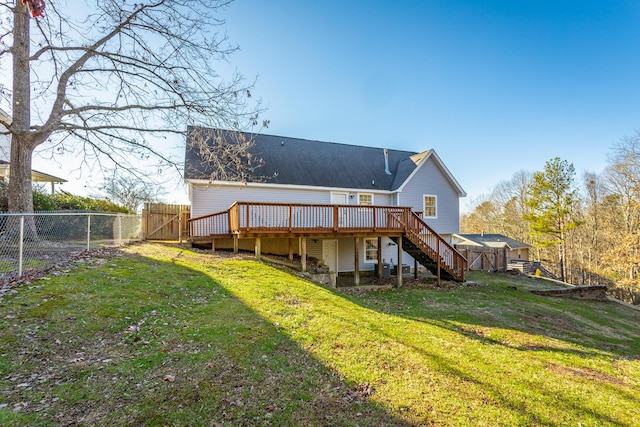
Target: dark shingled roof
[(493, 240), (295, 161)]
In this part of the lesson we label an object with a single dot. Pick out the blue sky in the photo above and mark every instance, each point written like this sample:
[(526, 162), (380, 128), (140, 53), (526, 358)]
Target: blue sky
[(492, 86)]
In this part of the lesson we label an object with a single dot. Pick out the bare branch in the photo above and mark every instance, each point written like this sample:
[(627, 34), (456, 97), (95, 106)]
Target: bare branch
[(140, 70)]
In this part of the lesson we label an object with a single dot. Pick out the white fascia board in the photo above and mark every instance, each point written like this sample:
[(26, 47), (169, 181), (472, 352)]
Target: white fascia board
[(465, 241), (207, 183), (441, 165)]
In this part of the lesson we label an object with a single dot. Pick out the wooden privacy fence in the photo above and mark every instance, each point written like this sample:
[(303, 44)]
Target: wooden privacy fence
[(484, 259), (165, 222)]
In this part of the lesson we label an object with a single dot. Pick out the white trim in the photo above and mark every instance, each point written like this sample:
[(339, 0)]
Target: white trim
[(441, 165), (364, 251), (435, 196), (207, 183), (36, 176), (367, 194)]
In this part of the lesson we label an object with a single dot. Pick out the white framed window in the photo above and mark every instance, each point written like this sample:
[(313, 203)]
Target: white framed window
[(371, 250), (430, 205), (365, 199)]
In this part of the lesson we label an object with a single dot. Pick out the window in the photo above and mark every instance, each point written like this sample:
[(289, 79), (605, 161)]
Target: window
[(371, 250), (430, 206), (365, 199)]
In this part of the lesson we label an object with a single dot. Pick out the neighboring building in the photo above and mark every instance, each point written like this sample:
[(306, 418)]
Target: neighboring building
[(5, 155), (492, 252), (300, 183)]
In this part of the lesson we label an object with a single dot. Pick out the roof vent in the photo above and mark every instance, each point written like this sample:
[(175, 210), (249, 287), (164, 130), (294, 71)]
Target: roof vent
[(386, 162)]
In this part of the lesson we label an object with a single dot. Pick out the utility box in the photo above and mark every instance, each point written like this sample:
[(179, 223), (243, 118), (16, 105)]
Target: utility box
[(386, 270), (405, 270)]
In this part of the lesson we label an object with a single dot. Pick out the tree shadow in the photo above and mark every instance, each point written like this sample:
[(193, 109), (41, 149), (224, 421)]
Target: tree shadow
[(355, 314), (249, 352), (547, 337), (180, 349)]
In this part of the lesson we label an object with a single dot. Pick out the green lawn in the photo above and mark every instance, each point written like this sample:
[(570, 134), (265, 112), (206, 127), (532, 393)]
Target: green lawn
[(161, 336)]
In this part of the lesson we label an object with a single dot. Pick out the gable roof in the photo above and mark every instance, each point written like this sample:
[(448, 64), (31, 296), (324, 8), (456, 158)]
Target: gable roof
[(491, 241), (295, 161)]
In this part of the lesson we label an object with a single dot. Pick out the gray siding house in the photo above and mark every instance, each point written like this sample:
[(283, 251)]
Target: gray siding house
[(290, 195)]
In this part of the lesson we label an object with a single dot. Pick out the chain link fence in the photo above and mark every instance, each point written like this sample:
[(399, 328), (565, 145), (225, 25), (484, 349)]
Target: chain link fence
[(35, 241)]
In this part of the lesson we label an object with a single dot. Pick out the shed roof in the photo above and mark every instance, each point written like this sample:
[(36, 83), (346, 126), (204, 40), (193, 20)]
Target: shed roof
[(296, 161), (491, 240)]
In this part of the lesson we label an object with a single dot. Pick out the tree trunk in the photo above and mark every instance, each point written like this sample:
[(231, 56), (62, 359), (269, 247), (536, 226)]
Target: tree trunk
[(20, 190)]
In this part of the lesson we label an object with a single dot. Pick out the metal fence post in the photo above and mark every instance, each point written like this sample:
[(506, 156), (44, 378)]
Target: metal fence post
[(21, 245), (88, 232), (119, 230), (46, 238)]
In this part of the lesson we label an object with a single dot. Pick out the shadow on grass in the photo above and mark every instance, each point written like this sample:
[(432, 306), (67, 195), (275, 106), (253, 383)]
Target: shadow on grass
[(594, 327), (450, 381), (182, 339), (140, 341), (518, 326)]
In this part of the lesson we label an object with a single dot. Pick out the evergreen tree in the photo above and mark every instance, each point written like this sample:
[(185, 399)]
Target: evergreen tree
[(552, 201)]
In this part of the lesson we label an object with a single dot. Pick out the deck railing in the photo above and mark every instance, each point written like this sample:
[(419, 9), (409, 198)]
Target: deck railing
[(277, 218), (211, 224), (261, 217), (435, 246)]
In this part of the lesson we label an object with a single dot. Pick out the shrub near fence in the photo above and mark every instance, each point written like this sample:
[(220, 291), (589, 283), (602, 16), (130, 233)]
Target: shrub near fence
[(39, 240)]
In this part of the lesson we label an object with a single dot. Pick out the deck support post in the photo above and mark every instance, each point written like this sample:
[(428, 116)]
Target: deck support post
[(438, 261), (399, 266), (213, 244), (379, 266), (415, 268), (258, 249), (235, 243), (291, 244), (356, 261), (303, 252)]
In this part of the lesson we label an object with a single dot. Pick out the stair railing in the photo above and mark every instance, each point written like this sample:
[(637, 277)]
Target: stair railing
[(434, 246)]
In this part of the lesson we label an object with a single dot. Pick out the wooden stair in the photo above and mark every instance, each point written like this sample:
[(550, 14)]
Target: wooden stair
[(267, 219), (431, 250)]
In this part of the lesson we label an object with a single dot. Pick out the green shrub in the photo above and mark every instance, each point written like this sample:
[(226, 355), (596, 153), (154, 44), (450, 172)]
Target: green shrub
[(63, 201)]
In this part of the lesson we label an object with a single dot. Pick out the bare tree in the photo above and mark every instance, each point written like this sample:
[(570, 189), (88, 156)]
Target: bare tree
[(622, 178), (223, 155), (512, 195), (485, 218), (129, 191), (114, 82), (502, 211)]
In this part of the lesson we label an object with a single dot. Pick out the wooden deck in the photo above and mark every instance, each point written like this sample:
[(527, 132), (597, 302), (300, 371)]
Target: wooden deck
[(270, 220)]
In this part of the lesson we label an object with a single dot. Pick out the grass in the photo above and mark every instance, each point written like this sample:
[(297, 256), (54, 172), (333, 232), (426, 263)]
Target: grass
[(161, 335)]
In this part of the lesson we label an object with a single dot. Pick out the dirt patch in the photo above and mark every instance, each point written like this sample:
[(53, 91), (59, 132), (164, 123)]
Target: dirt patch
[(587, 374)]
